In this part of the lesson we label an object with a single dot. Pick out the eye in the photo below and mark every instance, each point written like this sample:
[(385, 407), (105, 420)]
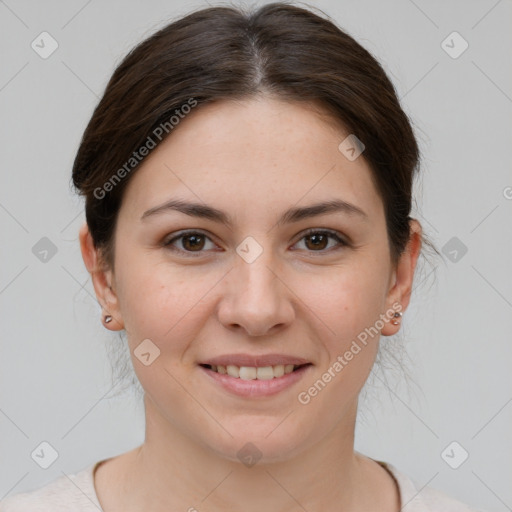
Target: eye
[(318, 240), (190, 242)]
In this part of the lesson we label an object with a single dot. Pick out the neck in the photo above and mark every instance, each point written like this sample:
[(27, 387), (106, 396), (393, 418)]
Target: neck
[(170, 470)]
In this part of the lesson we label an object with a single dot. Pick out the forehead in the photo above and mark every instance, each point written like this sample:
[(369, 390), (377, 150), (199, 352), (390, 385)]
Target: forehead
[(259, 154)]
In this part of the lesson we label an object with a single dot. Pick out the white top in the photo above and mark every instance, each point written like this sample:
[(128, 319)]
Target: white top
[(76, 493)]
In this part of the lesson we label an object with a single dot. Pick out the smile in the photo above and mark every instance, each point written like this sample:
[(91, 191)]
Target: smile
[(253, 382)]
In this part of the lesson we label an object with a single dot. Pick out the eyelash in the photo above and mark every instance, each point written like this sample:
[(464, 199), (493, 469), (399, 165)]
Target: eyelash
[(184, 234)]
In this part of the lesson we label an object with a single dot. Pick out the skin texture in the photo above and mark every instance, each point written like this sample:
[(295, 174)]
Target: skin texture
[(253, 159)]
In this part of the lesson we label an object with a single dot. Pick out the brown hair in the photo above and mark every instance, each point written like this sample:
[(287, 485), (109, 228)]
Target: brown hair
[(227, 53)]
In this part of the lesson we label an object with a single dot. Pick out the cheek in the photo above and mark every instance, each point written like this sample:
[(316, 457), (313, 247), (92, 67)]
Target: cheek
[(159, 303), (346, 300), (349, 305)]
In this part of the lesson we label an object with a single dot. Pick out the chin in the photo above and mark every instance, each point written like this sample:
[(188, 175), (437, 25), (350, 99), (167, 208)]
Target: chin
[(260, 445)]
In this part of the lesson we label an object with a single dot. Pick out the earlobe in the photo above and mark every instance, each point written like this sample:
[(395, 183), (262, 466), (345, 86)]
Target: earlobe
[(102, 281), (400, 292)]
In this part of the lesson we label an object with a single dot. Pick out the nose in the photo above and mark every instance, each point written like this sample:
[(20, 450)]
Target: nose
[(256, 298)]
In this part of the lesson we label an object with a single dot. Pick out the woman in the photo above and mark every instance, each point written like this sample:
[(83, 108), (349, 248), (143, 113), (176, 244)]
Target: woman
[(247, 179)]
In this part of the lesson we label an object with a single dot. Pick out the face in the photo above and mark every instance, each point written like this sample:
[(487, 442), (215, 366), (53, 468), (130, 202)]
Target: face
[(253, 270)]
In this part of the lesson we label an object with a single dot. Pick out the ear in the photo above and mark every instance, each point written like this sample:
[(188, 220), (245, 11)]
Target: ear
[(102, 281), (400, 290)]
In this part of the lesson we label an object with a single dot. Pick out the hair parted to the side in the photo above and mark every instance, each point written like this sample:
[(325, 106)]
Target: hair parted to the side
[(230, 53)]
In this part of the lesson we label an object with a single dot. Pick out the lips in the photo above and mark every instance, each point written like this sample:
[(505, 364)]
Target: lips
[(255, 382)]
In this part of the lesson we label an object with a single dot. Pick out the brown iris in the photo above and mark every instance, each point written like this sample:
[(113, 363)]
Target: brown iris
[(193, 242), (319, 241)]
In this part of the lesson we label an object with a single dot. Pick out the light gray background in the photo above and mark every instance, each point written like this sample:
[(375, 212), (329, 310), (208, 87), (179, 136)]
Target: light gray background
[(55, 373)]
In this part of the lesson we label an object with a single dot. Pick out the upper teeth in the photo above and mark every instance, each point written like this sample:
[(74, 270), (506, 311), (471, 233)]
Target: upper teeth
[(252, 373)]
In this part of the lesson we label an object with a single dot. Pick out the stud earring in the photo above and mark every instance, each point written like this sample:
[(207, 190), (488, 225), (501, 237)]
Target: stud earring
[(398, 316), (108, 319)]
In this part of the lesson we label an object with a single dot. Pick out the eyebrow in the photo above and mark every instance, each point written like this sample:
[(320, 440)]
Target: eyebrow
[(291, 215)]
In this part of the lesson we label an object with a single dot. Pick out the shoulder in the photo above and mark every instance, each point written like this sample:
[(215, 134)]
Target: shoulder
[(415, 498), (68, 493)]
